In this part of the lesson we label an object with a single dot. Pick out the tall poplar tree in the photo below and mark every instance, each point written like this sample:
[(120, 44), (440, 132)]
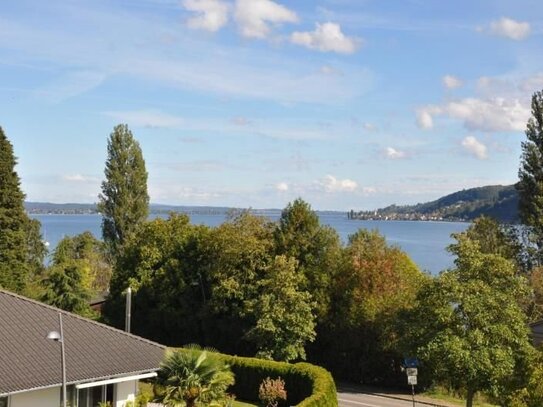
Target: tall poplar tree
[(21, 248), (124, 202), (530, 185)]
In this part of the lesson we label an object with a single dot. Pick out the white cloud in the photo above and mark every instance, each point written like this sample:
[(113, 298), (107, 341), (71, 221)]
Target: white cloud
[(282, 187), (254, 16), (394, 154), (475, 147), (492, 114), (78, 178), (211, 16), (424, 118), (175, 193), (331, 184), (146, 118), (225, 70), (326, 37), (369, 127), (452, 82), (509, 28), (532, 83), (71, 85)]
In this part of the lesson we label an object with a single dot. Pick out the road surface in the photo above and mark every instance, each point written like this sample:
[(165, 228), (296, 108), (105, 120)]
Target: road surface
[(351, 399)]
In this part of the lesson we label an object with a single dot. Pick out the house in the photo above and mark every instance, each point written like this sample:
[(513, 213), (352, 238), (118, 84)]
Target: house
[(102, 363)]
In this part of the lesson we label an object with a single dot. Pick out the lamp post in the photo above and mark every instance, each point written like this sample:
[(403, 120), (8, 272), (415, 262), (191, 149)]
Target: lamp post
[(59, 337)]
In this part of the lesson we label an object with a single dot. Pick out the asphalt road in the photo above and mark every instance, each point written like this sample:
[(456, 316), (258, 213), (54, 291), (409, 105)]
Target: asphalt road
[(352, 399)]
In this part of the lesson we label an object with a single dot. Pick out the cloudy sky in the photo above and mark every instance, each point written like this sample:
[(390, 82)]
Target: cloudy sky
[(346, 103)]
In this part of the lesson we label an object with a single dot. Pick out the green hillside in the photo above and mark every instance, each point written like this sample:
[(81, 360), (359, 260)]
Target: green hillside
[(497, 201)]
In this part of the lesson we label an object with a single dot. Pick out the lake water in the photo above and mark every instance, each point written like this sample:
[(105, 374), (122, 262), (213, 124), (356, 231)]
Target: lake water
[(425, 242)]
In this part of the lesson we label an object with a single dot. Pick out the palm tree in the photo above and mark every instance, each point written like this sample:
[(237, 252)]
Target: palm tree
[(187, 376)]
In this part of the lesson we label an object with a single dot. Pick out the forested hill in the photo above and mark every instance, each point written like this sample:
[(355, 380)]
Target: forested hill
[(497, 201)]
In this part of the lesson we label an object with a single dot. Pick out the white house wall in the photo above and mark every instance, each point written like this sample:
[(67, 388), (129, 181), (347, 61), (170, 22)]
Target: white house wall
[(125, 391), (42, 398)]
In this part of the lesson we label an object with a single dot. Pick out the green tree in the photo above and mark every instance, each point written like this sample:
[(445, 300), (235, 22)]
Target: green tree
[(530, 185), (78, 268), (468, 327), (237, 253), (317, 249), (124, 202), (65, 287), (21, 248), (284, 321), (493, 238), (240, 250), (376, 283), (192, 377), (162, 263), (89, 254)]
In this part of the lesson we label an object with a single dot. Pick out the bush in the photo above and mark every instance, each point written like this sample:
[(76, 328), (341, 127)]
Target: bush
[(307, 385), (272, 390)]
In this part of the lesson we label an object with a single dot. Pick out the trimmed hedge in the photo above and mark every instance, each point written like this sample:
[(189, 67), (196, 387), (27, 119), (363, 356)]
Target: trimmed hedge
[(307, 385)]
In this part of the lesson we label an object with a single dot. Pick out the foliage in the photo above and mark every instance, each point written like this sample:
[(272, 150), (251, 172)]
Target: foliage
[(530, 185), (78, 271), (272, 390), (124, 202), (316, 248), (468, 327), (161, 262), (191, 376), (376, 283), (491, 237), (21, 248), (65, 288), (505, 242), (284, 322), (307, 385), (241, 251), (89, 253), (144, 395)]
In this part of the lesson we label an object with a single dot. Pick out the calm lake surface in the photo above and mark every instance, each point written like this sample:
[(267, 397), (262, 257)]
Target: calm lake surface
[(425, 242)]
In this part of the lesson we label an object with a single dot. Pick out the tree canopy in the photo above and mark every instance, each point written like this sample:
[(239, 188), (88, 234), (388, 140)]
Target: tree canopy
[(530, 185), (124, 202), (469, 328), (21, 248)]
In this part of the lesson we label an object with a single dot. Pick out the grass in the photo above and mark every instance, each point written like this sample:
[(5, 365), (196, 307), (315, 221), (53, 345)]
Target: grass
[(439, 393)]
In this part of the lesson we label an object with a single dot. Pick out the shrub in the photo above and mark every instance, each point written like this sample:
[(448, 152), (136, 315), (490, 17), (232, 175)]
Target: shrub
[(306, 385), (271, 390)]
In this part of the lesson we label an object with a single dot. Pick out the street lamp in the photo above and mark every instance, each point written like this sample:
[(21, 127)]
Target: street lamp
[(59, 337)]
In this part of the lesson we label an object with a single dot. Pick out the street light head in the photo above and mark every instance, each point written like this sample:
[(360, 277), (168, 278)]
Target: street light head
[(55, 336)]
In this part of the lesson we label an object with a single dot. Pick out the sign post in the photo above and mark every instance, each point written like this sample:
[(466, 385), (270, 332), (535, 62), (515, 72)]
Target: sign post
[(412, 372)]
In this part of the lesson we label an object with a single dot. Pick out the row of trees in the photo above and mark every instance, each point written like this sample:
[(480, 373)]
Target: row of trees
[(290, 290)]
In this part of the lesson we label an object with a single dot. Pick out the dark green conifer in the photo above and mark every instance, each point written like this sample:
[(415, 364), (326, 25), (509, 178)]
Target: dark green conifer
[(530, 185), (21, 247)]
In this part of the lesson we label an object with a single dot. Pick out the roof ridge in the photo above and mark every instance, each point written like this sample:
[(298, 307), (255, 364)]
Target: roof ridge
[(71, 314)]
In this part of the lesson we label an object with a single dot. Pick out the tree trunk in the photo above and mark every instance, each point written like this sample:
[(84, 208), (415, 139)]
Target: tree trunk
[(469, 399)]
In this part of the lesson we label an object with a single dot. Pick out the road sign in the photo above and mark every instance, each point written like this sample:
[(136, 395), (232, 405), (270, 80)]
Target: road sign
[(411, 362), (412, 380), (411, 371)]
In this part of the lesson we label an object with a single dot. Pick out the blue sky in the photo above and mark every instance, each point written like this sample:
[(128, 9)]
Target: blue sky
[(346, 103)]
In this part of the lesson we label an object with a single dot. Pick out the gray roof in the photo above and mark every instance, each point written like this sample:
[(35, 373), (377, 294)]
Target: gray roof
[(28, 360)]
